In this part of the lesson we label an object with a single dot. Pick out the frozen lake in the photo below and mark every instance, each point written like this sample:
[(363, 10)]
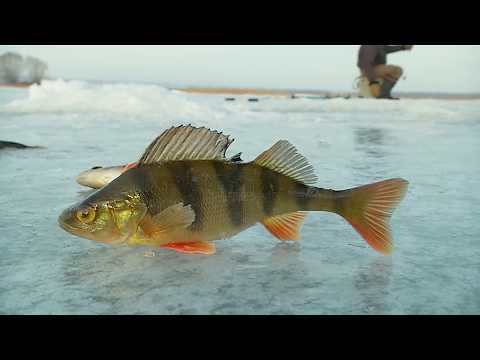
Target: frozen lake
[(434, 144)]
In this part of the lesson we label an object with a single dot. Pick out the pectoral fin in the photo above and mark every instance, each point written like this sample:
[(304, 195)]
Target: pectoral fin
[(170, 220)]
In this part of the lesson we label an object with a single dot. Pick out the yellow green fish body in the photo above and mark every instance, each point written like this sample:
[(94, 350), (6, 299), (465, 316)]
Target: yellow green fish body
[(183, 194)]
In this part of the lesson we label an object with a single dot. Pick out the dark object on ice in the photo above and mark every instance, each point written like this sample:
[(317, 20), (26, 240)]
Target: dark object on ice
[(253, 100), (14, 145), (230, 99), (236, 158)]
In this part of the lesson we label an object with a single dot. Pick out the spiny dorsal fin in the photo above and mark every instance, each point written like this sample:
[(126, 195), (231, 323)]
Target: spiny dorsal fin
[(284, 158), (285, 227), (186, 143)]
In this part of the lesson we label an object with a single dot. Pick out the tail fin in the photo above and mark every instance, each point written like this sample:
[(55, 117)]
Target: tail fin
[(369, 208)]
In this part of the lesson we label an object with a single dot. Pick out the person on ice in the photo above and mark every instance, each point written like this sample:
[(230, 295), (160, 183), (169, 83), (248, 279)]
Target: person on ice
[(372, 61)]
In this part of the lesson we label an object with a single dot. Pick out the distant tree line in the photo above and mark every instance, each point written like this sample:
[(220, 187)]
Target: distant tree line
[(16, 69)]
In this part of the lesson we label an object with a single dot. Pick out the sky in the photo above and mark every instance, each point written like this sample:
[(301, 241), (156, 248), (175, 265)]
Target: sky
[(428, 68)]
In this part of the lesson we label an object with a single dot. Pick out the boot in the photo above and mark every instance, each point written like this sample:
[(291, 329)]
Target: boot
[(386, 90)]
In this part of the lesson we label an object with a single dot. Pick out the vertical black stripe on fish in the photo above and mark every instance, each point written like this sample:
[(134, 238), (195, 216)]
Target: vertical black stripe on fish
[(269, 181), (302, 195), (231, 179), (188, 188)]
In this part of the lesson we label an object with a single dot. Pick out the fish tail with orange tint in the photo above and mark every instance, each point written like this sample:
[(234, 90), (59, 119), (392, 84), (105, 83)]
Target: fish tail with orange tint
[(369, 208)]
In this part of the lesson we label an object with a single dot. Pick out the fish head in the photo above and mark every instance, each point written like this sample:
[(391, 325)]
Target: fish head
[(109, 221), (97, 177)]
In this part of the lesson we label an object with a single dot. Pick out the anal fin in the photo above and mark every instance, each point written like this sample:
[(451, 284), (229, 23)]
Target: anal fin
[(285, 227), (201, 247)]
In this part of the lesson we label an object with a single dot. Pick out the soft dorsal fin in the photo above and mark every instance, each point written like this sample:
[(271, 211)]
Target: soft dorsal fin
[(285, 227), (284, 158), (186, 143)]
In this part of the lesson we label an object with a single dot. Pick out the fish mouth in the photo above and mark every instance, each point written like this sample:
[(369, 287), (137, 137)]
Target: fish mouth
[(82, 179), (85, 235), (66, 227), (85, 180), (96, 181), (75, 231)]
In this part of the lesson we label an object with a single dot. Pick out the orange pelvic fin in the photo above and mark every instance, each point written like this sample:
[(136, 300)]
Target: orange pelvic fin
[(369, 208), (201, 247), (285, 227)]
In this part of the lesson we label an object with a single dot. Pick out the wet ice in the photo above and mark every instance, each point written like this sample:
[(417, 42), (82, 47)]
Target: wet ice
[(432, 143)]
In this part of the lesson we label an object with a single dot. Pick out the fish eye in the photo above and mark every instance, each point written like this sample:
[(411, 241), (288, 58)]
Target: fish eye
[(86, 216)]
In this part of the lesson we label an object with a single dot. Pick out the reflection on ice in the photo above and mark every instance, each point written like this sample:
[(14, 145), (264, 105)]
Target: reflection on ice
[(371, 282)]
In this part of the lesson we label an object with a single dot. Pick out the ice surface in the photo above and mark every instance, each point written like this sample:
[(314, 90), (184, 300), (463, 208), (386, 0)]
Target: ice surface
[(435, 268)]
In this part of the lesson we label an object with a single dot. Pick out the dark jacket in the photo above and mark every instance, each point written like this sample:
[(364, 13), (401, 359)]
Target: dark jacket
[(370, 56)]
